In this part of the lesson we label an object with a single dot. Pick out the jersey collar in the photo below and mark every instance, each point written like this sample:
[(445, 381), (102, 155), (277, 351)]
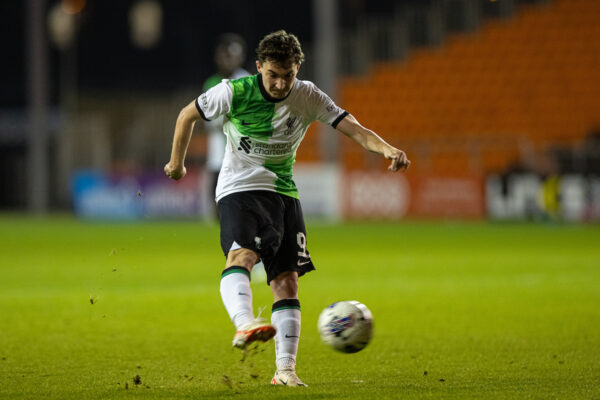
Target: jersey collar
[(266, 95)]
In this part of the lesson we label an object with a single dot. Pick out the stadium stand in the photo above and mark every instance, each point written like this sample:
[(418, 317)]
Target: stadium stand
[(484, 101)]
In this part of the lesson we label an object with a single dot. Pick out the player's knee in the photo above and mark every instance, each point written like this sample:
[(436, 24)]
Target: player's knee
[(242, 257)]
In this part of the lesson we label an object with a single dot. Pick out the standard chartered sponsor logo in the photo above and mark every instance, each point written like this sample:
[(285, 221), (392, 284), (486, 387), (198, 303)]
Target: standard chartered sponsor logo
[(275, 149), (264, 149)]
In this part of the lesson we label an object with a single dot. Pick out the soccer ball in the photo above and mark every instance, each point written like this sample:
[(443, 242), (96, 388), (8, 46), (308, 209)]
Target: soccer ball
[(346, 326)]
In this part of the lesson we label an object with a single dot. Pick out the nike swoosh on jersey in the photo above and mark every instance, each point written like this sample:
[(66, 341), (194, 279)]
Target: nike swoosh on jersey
[(301, 263)]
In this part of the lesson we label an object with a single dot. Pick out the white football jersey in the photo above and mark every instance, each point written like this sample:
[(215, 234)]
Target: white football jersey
[(263, 133)]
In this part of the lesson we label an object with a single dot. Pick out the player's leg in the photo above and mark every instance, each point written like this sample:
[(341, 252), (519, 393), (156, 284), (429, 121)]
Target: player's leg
[(286, 319), (241, 223), (237, 298), (291, 261), (235, 286)]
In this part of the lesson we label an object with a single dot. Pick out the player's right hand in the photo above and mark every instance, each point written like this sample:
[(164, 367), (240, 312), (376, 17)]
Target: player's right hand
[(175, 172)]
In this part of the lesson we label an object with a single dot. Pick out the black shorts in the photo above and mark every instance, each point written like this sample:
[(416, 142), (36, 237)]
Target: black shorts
[(268, 223)]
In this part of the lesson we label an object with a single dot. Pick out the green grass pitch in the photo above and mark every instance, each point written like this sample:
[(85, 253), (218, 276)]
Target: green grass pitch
[(461, 310)]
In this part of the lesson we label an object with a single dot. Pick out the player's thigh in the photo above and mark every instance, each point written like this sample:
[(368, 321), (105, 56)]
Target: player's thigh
[(252, 221), (293, 252), (294, 237)]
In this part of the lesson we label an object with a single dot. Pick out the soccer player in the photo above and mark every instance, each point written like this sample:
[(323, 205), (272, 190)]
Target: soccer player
[(267, 116)]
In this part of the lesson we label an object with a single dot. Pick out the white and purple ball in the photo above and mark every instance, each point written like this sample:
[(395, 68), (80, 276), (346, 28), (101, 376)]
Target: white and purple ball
[(347, 326)]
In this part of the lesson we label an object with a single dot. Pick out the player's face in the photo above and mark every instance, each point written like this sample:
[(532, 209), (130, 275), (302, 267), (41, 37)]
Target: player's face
[(228, 58), (277, 78)]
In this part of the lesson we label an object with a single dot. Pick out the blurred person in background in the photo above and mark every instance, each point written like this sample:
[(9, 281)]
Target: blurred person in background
[(229, 57), (267, 116)]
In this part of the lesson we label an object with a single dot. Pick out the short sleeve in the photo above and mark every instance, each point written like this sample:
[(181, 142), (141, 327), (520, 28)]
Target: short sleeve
[(216, 101), (325, 110)]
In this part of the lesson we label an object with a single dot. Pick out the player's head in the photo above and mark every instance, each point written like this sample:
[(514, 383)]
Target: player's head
[(279, 58), (230, 53)]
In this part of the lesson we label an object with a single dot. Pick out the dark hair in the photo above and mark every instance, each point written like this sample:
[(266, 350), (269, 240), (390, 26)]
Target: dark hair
[(280, 47)]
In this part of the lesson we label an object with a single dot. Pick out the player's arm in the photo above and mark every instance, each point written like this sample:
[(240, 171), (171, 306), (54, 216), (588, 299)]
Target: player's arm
[(188, 116), (368, 139)]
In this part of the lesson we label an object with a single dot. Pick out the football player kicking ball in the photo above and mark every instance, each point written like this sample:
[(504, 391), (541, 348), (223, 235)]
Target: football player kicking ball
[(266, 117)]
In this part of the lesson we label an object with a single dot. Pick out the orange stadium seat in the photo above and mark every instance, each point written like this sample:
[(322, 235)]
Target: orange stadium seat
[(534, 77)]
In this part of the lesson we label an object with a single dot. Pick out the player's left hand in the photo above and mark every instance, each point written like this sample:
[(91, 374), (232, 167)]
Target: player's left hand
[(398, 158)]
